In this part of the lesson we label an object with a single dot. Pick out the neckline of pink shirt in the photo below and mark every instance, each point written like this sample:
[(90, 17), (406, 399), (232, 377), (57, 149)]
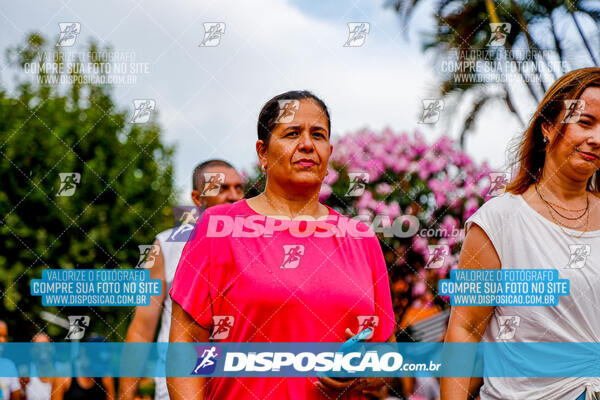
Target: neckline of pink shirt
[(244, 203)]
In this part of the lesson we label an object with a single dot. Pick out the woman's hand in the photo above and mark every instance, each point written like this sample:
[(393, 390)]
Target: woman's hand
[(344, 385)]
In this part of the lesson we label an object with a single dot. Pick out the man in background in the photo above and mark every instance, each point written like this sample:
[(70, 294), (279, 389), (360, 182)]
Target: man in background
[(214, 182)]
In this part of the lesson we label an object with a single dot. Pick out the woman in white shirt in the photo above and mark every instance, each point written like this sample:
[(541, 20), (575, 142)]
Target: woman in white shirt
[(549, 213)]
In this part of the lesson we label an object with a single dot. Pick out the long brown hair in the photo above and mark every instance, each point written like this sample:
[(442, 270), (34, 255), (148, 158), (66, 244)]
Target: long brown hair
[(531, 148)]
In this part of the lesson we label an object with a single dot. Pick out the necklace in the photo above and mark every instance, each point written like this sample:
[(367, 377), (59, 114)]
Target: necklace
[(564, 208), (278, 210), (567, 233), (548, 203), (273, 207), (560, 224)]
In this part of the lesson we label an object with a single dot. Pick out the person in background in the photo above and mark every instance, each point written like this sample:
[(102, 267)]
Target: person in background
[(80, 387), (38, 388), (145, 320), (10, 388)]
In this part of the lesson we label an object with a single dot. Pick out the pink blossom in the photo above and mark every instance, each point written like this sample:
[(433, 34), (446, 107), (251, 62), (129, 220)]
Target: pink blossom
[(440, 199), (438, 164), (400, 164), (471, 206), (325, 192), (365, 200), (384, 188), (438, 191), (443, 271), (377, 149), (375, 168), (449, 225), (472, 203), (419, 144), (394, 210), (383, 220), (419, 289), (469, 188), (331, 177), (456, 203), (444, 145), (423, 168), (379, 207), (453, 241), (419, 245), (461, 159)]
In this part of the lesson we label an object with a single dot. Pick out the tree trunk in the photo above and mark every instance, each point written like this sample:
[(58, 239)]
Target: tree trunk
[(489, 5)]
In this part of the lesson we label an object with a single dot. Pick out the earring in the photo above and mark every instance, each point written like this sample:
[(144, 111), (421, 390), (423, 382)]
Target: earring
[(263, 168), (545, 141)]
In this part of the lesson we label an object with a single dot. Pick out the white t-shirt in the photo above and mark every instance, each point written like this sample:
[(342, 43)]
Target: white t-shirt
[(523, 238), (8, 384), (36, 389), (171, 252)]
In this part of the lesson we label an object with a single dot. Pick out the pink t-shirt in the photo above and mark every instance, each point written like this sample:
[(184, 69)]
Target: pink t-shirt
[(280, 287)]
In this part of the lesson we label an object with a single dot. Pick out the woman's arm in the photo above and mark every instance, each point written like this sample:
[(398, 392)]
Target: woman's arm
[(59, 387), (109, 386), (185, 329), (143, 325), (467, 324)]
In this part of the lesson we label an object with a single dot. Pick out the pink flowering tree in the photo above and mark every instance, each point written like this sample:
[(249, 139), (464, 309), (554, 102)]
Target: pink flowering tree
[(415, 195)]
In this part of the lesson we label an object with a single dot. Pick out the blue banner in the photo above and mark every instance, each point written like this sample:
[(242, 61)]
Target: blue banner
[(300, 359), (95, 287), (504, 287)]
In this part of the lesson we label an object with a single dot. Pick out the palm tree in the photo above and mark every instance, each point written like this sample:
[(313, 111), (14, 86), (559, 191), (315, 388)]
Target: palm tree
[(578, 7), (533, 47)]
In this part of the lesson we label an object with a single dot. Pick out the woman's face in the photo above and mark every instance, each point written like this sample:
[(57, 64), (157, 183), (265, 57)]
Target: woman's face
[(577, 154), (299, 150)]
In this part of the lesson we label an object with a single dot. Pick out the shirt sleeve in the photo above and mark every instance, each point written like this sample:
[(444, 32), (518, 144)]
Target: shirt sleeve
[(383, 296), (11, 383), (192, 280), (488, 218)]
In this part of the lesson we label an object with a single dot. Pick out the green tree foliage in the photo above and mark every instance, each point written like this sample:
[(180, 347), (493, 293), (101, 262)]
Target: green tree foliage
[(122, 201)]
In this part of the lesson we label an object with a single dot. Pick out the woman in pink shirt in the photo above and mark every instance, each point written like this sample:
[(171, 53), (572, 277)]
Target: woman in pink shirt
[(281, 267)]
